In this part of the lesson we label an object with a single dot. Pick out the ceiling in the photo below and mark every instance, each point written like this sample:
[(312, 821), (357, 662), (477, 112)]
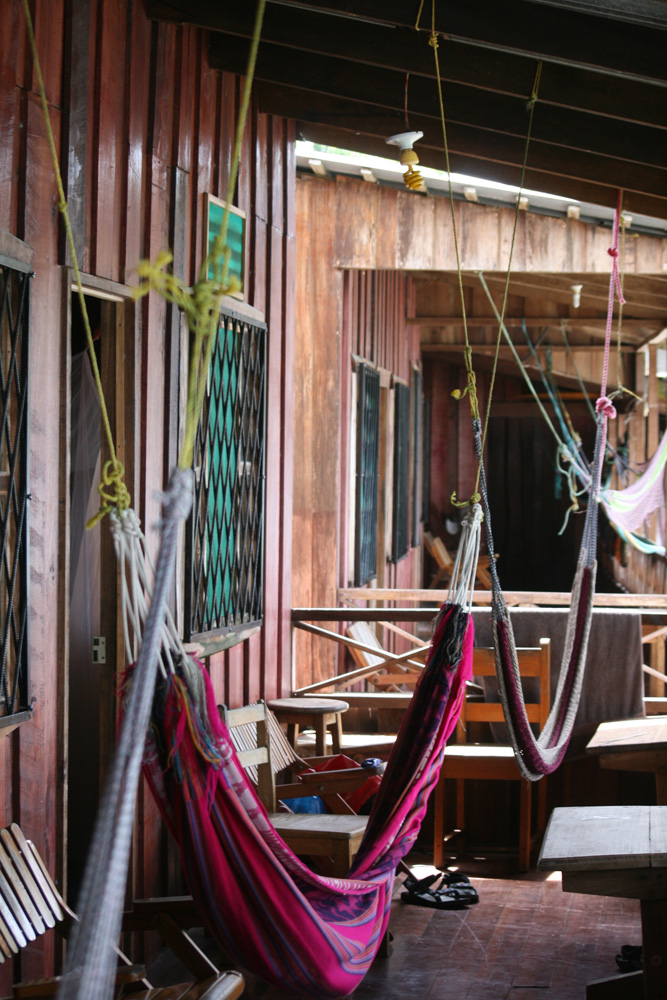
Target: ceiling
[(346, 70)]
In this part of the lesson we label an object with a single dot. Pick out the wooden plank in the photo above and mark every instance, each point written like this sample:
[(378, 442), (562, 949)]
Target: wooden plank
[(589, 838), (75, 123), (512, 597), (136, 130), (617, 736)]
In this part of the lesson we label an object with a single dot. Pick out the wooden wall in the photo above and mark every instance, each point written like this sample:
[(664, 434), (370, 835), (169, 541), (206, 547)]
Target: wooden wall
[(145, 127), (339, 313)]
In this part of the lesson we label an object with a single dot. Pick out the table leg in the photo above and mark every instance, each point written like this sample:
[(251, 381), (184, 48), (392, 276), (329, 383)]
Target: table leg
[(320, 735), (661, 788), (654, 943), (337, 733)]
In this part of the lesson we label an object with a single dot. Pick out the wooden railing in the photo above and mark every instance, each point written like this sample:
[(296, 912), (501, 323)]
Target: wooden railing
[(652, 606)]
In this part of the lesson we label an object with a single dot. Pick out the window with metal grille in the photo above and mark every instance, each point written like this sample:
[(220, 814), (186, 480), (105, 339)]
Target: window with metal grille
[(14, 325), (366, 500), (399, 546), (225, 543)]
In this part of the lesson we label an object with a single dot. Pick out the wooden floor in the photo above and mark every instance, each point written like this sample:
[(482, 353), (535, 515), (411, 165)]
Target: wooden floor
[(525, 940)]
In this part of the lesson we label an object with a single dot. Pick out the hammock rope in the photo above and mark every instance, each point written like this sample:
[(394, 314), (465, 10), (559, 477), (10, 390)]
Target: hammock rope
[(471, 379), (537, 756)]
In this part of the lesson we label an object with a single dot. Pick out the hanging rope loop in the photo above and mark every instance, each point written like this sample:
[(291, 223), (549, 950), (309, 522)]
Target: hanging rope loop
[(113, 491), (475, 498)]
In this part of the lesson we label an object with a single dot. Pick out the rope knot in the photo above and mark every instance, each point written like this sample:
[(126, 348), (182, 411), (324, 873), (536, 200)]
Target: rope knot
[(433, 40), (613, 252), (605, 406)]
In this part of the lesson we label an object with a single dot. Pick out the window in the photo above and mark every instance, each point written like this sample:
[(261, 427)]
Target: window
[(225, 543), (401, 491), (367, 454), (14, 324)]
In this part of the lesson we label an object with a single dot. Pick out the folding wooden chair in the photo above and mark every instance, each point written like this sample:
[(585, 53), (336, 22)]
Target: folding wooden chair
[(30, 905)]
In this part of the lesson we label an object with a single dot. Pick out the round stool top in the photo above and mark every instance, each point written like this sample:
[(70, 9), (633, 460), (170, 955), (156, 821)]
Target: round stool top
[(308, 706)]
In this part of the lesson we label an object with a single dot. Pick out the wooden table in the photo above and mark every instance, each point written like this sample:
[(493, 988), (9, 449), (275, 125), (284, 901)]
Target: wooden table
[(635, 745), (320, 713), (617, 851)]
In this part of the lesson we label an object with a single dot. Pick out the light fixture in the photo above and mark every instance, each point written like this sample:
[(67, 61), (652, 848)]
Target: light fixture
[(470, 194), (576, 295), (573, 212), (368, 175), (626, 220), (523, 203), (405, 141)]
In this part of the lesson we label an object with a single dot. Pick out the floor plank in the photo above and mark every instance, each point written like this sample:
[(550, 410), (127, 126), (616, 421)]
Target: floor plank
[(525, 940)]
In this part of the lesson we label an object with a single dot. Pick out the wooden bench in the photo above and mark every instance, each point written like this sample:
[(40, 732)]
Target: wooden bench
[(617, 851)]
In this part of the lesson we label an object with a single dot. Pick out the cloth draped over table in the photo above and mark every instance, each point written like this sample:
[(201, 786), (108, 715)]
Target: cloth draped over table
[(312, 935)]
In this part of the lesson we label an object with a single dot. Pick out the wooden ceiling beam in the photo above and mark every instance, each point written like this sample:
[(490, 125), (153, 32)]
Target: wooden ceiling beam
[(570, 322), (406, 51), (541, 31), (558, 290), (326, 77)]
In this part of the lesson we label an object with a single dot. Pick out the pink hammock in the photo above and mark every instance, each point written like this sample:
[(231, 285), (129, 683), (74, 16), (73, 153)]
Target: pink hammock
[(312, 935)]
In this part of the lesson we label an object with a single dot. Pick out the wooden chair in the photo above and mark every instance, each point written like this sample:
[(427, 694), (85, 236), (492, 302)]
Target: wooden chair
[(444, 562), (466, 760), (30, 905), (264, 751)]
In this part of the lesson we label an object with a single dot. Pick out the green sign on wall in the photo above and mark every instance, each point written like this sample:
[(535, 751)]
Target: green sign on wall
[(215, 211)]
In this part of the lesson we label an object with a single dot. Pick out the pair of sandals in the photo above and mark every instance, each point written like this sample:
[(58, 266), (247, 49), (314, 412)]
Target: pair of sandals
[(441, 891)]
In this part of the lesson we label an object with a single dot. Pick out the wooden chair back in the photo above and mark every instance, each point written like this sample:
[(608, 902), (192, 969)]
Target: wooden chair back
[(262, 747), (534, 663), (364, 632), (30, 904)]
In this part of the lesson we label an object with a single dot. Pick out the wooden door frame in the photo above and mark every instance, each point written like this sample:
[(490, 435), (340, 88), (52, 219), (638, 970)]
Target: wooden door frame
[(121, 357)]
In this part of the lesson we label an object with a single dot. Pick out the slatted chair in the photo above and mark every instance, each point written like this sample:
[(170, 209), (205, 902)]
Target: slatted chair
[(466, 760), (264, 751), (30, 905), (444, 562)]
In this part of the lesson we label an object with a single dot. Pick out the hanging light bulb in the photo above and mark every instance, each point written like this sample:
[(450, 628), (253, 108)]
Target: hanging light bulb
[(405, 140)]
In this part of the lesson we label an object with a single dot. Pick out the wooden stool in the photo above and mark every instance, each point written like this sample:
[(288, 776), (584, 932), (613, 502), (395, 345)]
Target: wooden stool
[(320, 713)]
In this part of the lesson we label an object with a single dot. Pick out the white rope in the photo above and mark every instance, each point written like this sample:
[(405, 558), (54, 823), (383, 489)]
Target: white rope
[(137, 576), (462, 583)]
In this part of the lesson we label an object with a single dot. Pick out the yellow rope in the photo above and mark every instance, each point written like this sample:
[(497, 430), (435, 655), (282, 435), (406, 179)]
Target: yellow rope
[(112, 489), (471, 381), (532, 101)]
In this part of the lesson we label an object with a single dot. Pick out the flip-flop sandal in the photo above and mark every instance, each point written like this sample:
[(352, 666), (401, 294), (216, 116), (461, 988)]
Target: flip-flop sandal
[(630, 959), (438, 899), (443, 882)]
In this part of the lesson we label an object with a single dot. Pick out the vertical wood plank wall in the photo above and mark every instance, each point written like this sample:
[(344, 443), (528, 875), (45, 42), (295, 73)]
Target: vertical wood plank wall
[(144, 127), (338, 314)]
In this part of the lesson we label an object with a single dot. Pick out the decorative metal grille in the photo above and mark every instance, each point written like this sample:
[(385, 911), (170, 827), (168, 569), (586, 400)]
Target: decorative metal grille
[(401, 471), (225, 554), (14, 326), (368, 428)]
